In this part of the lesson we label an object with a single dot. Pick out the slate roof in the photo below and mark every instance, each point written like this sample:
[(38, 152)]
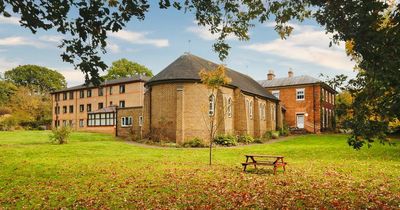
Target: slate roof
[(288, 81), (188, 66), (135, 78)]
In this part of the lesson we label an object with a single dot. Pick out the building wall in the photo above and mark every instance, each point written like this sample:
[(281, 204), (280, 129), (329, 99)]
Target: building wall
[(134, 131), (179, 112), (133, 96), (311, 106)]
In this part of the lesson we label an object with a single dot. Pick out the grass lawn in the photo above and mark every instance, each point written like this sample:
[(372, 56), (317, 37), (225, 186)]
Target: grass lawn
[(98, 171)]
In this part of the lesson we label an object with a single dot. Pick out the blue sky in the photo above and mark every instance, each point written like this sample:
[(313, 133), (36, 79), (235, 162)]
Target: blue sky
[(164, 35)]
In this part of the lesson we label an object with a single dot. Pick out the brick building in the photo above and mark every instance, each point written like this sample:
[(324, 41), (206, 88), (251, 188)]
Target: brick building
[(177, 104), (309, 102), (90, 108)]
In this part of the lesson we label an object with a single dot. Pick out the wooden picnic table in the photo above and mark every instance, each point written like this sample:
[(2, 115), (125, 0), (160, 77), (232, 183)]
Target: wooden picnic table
[(272, 160)]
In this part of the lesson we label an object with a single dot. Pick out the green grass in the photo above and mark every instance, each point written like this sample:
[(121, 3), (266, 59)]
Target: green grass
[(99, 171)]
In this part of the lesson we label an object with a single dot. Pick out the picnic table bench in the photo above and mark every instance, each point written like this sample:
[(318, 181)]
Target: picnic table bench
[(271, 160)]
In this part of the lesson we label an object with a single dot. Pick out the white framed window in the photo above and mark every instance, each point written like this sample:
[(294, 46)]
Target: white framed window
[(333, 99), (262, 111), (229, 107), (126, 121), (300, 94), (140, 121), (251, 109), (323, 117), (211, 105), (275, 93)]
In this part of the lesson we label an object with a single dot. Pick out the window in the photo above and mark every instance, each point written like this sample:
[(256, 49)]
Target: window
[(100, 91), (121, 104), (211, 105), (81, 94), (71, 95), (140, 121), (300, 94), (333, 99), (100, 105), (64, 123), (71, 109), (89, 107), (81, 108), (251, 109), (323, 117), (126, 121), (101, 119), (64, 109), (273, 112), (329, 97), (110, 88), (276, 93), (70, 123), (122, 89), (81, 123), (89, 93), (56, 110), (229, 107), (65, 96), (262, 111), (57, 96)]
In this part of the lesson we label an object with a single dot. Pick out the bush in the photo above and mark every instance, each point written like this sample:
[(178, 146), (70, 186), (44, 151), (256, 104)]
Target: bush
[(60, 135), (225, 140), (275, 134), (4, 111), (246, 139), (7, 123), (195, 142), (264, 138), (285, 130)]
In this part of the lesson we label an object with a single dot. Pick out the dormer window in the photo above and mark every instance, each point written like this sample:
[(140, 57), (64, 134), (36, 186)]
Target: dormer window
[(275, 93)]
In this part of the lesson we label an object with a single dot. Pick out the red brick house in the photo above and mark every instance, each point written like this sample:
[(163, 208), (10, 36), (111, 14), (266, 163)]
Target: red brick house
[(309, 102)]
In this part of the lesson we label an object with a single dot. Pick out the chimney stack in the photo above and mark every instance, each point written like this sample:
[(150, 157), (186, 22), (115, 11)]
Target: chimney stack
[(290, 73), (270, 75)]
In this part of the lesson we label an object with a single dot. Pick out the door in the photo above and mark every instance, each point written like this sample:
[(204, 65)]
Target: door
[(300, 120)]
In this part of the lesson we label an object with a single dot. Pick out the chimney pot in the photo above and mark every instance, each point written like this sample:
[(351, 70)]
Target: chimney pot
[(270, 75), (290, 73)]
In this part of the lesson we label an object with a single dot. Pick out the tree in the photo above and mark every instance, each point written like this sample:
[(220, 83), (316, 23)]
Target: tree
[(6, 90), (370, 27), (126, 68), (213, 79), (37, 78)]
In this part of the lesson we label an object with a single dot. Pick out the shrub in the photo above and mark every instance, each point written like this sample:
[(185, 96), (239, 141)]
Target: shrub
[(284, 131), (60, 135), (225, 140), (246, 139), (264, 138), (4, 111), (7, 123), (195, 142), (275, 134)]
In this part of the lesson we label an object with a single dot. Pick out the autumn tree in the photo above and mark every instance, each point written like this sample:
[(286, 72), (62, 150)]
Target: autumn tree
[(125, 68), (37, 78), (371, 27), (213, 80)]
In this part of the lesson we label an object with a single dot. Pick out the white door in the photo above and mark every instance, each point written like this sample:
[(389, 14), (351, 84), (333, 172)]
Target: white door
[(300, 120)]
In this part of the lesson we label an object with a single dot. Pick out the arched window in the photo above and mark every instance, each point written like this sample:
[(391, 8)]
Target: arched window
[(251, 109), (211, 108), (229, 107)]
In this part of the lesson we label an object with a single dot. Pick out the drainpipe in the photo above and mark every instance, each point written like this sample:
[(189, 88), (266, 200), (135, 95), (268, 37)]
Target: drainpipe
[(313, 88)]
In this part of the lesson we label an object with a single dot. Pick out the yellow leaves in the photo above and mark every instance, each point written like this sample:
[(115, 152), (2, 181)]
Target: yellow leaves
[(349, 46), (215, 78)]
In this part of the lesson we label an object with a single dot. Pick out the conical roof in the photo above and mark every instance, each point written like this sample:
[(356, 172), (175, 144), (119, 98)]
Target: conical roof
[(188, 66)]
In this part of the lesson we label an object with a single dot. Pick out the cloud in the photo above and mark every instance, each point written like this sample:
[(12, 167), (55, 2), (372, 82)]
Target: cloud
[(51, 38), (72, 76), (139, 38), (307, 44), (18, 41), (204, 33), (114, 48), (9, 20)]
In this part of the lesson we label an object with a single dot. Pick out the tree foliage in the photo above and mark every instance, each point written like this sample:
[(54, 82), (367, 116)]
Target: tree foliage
[(369, 28), (125, 68), (39, 79)]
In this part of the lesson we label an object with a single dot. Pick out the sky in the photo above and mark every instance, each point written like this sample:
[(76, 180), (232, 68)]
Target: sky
[(165, 35)]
